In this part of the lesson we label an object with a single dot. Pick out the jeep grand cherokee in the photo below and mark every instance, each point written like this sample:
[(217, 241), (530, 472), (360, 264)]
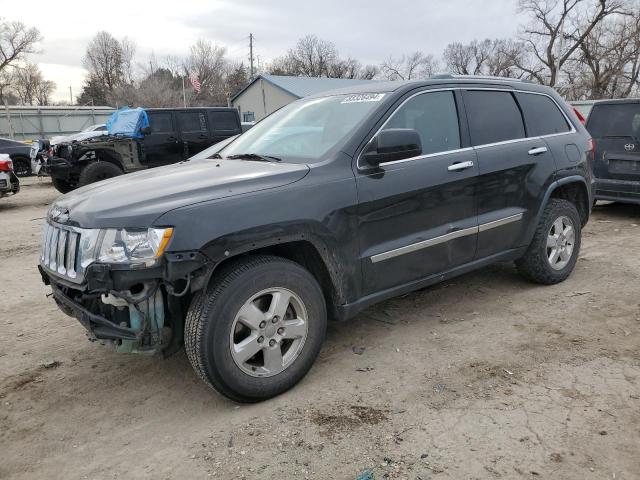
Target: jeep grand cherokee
[(330, 204)]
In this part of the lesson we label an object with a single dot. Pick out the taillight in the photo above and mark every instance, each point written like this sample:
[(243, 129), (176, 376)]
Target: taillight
[(579, 115), (6, 166), (591, 151)]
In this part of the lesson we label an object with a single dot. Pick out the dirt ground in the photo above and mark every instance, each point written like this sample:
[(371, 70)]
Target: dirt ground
[(485, 376)]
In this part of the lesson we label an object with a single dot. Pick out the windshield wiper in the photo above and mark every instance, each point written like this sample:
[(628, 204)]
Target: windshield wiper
[(254, 156)]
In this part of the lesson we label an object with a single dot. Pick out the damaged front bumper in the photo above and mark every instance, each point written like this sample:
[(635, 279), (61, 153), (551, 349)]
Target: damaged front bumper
[(135, 310)]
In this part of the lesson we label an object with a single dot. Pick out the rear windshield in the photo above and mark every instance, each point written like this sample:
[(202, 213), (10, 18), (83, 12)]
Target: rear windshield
[(622, 120)]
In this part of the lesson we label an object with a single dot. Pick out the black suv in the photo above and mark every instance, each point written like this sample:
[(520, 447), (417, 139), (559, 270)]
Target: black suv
[(330, 204), (615, 127), (173, 135)]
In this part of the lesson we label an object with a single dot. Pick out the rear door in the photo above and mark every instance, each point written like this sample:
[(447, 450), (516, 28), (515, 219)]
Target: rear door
[(223, 124), (162, 146), (514, 170), (417, 216), (194, 131), (616, 130)]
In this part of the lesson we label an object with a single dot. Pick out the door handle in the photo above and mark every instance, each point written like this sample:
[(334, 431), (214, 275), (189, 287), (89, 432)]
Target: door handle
[(460, 166), (537, 150)]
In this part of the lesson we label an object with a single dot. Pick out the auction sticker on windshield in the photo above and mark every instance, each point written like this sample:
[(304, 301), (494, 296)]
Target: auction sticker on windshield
[(363, 97)]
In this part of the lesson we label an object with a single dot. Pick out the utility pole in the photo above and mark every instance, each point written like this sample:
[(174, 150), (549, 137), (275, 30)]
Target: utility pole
[(251, 71), (70, 95)]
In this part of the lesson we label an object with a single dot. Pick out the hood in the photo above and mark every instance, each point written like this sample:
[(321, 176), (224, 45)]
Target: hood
[(137, 199), (76, 137)]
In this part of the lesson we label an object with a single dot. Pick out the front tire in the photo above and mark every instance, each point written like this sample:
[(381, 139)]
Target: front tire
[(256, 331), (96, 171), (554, 250), (62, 186)]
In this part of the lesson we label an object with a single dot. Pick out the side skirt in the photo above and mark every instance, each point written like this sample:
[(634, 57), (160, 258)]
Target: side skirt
[(350, 310)]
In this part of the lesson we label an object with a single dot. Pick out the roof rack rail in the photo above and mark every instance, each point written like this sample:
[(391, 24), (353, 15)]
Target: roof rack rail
[(445, 76)]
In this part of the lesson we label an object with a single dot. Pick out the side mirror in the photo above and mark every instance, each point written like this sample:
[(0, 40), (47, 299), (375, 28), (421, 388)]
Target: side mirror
[(145, 130), (393, 144)]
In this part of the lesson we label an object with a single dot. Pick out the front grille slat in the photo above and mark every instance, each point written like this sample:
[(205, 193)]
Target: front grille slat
[(61, 251), (53, 252), (62, 246), (72, 254)]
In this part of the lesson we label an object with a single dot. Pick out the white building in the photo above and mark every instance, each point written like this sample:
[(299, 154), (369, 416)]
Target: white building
[(267, 93)]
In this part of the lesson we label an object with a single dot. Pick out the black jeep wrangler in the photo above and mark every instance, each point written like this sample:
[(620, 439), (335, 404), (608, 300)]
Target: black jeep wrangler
[(172, 135), (330, 204)]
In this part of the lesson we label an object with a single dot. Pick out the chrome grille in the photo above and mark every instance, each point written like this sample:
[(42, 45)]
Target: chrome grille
[(60, 252)]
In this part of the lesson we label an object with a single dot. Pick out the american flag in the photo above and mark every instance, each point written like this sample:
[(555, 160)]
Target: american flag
[(193, 78)]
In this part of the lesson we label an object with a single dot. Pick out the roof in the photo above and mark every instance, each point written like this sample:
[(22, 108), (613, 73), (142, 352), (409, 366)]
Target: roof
[(447, 81), (304, 86), (313, 86)]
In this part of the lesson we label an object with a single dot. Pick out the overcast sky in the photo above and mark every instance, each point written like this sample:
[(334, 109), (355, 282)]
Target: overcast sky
[(369, 30)]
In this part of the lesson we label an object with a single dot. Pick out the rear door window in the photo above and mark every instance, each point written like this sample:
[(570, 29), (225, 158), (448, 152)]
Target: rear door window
[(224, 121), (161, 122), (191, 122), (621, 120), (541, 115), (493, 117), (434, 116)]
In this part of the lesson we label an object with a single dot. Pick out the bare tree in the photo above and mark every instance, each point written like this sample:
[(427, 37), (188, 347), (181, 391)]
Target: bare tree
[(608, 64), (105, 61), (314, 57), (31, 87), (43, 92), (207, 62), (556, 31), (128, 47), (497, 57), (16, 41), (409, 67)]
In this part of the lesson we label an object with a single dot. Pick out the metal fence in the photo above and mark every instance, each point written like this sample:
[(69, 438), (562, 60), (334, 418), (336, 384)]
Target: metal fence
[(31, 123)]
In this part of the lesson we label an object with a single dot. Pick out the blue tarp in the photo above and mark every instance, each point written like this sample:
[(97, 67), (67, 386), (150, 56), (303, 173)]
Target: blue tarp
[(128, 122)]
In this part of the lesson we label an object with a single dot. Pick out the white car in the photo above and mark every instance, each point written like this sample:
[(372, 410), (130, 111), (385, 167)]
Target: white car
[(9, 182), (89, 132)]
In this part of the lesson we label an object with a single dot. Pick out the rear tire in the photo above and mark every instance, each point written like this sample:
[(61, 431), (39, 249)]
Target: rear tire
[(96, 171), (62, 185), (235, 317), (555, 247)]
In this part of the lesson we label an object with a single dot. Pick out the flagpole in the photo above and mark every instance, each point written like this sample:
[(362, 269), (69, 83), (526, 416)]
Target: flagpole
[(184, 95)]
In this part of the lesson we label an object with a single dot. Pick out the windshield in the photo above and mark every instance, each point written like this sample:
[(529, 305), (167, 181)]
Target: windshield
[(621, 120), (305, 129)]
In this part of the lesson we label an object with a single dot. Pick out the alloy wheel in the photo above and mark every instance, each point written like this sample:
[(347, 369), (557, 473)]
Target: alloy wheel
[(269, 332)]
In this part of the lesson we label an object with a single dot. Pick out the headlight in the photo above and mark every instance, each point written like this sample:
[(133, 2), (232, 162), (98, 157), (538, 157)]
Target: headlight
[(131, 246)]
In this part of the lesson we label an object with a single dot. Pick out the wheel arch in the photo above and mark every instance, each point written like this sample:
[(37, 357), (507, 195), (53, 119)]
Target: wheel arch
[(308, 252), (107, 155), (575, 190)]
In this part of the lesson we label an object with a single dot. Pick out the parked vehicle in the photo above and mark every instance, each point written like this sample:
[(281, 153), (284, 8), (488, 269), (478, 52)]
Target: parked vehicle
[(332, 203), (19, 153), (169, 136), (615, 127), (90, 132), (9, 183)]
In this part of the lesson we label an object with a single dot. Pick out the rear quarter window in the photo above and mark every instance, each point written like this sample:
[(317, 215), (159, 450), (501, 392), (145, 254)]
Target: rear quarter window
[(493, 117), (541, 115), (224, 121)]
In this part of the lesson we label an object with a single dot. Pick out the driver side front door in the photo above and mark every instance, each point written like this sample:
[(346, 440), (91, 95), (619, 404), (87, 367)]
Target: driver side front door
[(418, 216)]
